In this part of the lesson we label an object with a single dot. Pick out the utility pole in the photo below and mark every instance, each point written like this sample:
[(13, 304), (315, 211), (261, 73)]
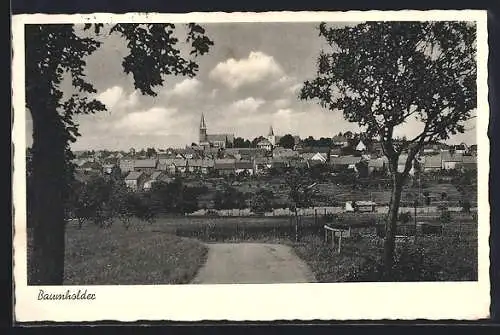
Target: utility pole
[(415, 217)]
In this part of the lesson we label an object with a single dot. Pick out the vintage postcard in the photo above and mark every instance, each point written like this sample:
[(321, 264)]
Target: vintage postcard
[(251, 166)]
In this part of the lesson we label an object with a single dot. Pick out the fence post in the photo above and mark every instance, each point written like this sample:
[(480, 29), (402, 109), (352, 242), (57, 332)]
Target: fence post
[(340, 241), (326, 235), (296, 228), (333, 239)]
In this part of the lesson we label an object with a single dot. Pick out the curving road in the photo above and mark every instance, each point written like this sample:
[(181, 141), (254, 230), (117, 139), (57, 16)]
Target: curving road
[(252, 263)]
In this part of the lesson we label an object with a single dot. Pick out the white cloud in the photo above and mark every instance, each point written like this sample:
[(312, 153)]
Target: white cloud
[(115, 98), (186, 87), (149, 120), (255, 68), (111, 96), (247, 105)]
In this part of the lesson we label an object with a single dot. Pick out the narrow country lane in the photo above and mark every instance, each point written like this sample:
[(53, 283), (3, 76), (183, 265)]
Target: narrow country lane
[(252, 263)]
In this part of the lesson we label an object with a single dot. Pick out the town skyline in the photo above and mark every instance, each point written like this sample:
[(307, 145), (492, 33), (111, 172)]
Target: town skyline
[(241, 88)]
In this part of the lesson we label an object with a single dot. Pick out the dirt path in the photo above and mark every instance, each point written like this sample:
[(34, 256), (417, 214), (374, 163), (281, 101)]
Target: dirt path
[(252, 263)]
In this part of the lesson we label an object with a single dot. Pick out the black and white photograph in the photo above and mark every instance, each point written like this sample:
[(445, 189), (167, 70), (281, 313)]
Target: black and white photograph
[(209, 153)]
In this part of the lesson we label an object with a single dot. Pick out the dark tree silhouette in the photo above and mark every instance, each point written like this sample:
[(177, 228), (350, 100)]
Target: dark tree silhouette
[(151, 152), (299, 194), (229, 198), (257, 140), (53, 51), (287, 141), (381, 74), (261, 201), (240, 142)]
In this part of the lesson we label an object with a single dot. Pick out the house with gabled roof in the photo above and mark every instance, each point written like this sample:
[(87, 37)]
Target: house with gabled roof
[(348, 162), (180, 165), (91, 167), (135, 180), (166, 165), (154, 178), (340, 141), (450, 160), (432, 162), (468, 162), (200, 165), (265, 144), (317, 157), (244, 167), (459, 148), (361, 146), (145, 165), (224, 166), (126, 165)]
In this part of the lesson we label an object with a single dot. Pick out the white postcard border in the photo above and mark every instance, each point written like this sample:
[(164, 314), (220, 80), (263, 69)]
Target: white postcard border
[(343, 301)]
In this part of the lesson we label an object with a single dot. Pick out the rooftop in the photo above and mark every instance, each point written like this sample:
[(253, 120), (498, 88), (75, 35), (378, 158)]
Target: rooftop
[(145, 163), (134, 175)]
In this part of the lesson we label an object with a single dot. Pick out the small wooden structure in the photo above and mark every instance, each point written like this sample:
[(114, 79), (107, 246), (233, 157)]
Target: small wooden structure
[(360, 206), (336, 233), (365, 206)]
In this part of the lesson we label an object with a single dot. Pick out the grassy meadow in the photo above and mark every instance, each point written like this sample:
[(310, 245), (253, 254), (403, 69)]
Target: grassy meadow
[(171, 250), (137, 256)]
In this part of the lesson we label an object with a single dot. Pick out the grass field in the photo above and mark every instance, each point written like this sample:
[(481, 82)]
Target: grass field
[(450, 257), (170, 250), (138, 256)]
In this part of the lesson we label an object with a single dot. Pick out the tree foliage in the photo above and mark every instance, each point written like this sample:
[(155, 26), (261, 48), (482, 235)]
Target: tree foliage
[(381, 75), (299, 190), (175, 197), (58, 51), (240, 142), (287, 141), (102, 200), (229, 198), (262, 201)]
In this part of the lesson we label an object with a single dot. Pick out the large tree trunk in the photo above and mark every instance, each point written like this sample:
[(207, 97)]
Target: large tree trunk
[(390, 227), (47, 258)]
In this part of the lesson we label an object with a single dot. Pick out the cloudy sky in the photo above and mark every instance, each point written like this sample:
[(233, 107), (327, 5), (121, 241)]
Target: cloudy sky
[(248, 81)]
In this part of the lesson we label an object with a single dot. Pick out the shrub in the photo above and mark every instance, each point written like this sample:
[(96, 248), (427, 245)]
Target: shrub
[(445, 216), (405, 217), (466, 205), (432, 259), (410, 264)]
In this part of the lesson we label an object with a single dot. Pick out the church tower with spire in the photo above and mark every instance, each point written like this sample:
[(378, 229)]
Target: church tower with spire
[(270, 137), (203, 131)]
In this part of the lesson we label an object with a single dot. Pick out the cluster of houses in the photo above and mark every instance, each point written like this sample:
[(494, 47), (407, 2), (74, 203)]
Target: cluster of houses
[(140, 173)]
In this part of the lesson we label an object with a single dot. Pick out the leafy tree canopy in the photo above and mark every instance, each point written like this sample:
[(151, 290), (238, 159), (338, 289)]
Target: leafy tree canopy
[(381, 74), (287, 141)]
